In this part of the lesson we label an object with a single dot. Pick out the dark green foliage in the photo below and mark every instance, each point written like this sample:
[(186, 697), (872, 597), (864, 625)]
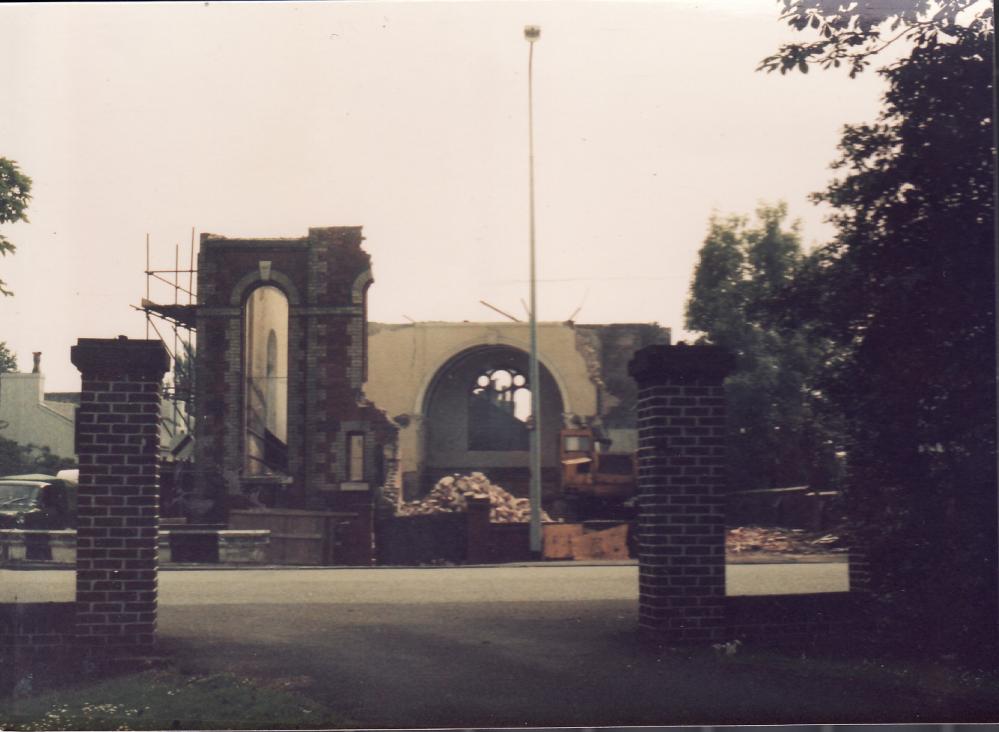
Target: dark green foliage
[(907, 293), (852, 33), (16, 459), (15, 192), (779, 434), (8, 359)]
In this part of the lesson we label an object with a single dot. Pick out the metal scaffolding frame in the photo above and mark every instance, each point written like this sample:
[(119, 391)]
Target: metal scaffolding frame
[(178, 321)]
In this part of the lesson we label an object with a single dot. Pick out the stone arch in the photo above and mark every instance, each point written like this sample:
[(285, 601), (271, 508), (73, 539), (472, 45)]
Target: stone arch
[(497, 341), (453, 433), (252, 280), (361, 284), (265, 348)]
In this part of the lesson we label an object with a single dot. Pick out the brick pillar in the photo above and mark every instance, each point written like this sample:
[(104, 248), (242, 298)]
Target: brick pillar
[(118, 495), (681, 468)]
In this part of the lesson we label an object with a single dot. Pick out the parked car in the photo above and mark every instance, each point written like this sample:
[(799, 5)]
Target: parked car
[(37, 502)]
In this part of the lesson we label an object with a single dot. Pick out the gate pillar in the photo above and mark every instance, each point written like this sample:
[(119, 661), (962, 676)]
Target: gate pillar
[(681, 467), (118, 495)]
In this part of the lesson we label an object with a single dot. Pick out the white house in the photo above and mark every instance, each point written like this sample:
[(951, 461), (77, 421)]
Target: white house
[(27, 417)]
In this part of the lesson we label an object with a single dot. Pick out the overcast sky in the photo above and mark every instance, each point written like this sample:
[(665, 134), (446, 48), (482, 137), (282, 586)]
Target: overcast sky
[(410, 120)]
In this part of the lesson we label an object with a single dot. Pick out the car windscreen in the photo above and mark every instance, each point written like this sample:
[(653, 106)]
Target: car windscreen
[(13, 495)]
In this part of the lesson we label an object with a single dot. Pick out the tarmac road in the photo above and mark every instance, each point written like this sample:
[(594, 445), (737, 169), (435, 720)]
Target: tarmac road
[(484, 647), (537, 645)]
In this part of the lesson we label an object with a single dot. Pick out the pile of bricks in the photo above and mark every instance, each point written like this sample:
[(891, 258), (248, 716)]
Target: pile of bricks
[(452, 492)]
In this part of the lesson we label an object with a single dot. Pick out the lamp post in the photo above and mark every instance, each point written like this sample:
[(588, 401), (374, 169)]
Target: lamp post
[(532, 33)]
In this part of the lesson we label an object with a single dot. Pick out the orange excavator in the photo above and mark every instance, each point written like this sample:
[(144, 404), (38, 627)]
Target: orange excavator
[(597, 483)]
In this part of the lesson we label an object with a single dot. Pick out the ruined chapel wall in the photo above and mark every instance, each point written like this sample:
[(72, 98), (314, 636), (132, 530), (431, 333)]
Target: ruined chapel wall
[(405, 358), (325, 276)]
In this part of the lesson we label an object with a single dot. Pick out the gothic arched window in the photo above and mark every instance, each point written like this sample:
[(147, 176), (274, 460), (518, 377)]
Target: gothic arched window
[(499, 409)]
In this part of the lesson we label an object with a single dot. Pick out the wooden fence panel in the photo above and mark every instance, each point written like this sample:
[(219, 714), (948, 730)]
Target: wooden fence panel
[(297, 537)]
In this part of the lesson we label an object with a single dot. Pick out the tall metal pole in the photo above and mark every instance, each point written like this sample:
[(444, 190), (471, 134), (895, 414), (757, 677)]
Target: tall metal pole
[(532, 33)]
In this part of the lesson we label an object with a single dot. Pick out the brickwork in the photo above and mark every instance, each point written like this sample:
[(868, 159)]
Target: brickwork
[(859, 572), (33, 633), (297, 370), (325, 276), (232, 456), (681, 525), (807, 619), (118, 494), (477, 531)]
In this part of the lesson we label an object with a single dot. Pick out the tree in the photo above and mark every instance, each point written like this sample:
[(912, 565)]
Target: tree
[(854, 32), (8, 361), (777, 433), (17, 459), (906, 292), (15, 192)]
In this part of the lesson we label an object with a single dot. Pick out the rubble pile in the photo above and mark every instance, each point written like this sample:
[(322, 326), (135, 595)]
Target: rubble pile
[(758, 539), (452, 492)]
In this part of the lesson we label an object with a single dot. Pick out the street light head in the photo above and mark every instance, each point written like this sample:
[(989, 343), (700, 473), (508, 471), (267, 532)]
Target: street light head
[(532, 33)]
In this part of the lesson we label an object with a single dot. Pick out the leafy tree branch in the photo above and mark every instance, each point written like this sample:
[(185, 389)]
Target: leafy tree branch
[(15, 193), (851, 32)]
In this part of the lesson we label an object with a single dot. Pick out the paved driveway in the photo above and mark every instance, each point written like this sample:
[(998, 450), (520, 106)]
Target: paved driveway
[(490, 647)]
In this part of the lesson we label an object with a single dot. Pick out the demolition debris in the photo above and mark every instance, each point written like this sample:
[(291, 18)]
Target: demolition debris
[(767, 540), (452, 492)]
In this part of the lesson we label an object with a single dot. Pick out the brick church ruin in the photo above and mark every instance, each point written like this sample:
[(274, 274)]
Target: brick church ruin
[(308, 415), (282, 357), (303, 404)]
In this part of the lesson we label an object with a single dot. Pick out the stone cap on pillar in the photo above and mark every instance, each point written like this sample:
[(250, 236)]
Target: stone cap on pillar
[(120, 357), (660, 364)]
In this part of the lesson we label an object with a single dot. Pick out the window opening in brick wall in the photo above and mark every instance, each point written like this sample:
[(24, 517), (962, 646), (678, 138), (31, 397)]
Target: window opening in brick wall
[(499, 409), (355, 456), (265, 394)]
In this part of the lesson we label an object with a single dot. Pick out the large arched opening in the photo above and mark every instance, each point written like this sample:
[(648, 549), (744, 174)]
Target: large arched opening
[(477, 417), (265, 387)]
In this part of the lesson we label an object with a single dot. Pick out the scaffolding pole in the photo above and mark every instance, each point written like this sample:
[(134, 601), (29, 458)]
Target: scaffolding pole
[(179, 317)]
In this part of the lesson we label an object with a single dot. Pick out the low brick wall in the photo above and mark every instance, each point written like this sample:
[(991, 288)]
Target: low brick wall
[(501, 543), (36, 625), (17, 545), (415, 540), (456, 538), (226, 546), (353, 536), (490, 543), (299, 537), (244, 547), (812, 619), (33, 632)]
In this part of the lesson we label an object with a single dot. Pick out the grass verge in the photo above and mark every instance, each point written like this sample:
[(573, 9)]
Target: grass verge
[(163, 700)]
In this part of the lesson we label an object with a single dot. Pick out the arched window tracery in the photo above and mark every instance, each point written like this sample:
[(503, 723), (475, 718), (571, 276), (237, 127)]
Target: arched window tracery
[(499, 410)]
